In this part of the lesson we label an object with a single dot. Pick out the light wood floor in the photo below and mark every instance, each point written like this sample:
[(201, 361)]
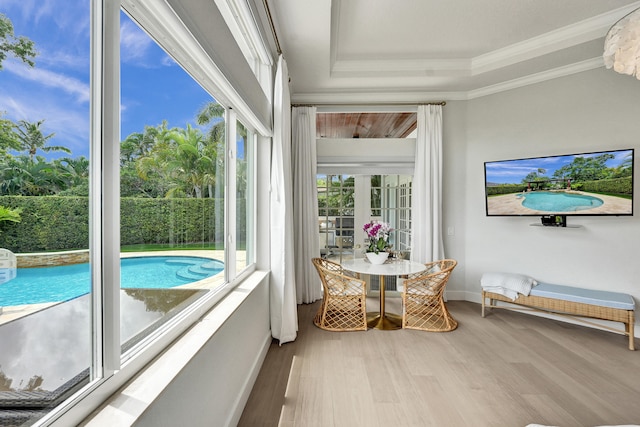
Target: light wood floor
[(508, 369)]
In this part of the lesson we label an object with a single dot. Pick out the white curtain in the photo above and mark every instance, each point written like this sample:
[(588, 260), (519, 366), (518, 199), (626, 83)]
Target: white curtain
[(284, 316), (426, 210), (305, 204)]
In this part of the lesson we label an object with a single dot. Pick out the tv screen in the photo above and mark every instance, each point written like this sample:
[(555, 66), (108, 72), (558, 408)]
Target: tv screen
[(599, 183)]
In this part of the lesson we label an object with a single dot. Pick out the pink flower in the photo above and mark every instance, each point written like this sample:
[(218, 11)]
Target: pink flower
[(378, 234)]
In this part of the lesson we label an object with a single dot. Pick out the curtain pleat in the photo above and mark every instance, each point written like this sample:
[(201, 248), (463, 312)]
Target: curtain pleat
[(305, 203), (284, 316), (426, 210)]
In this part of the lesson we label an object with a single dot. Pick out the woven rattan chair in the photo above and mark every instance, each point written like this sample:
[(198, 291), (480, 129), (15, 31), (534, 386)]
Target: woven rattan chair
[(334, 266), (422, 300), (343, 307)]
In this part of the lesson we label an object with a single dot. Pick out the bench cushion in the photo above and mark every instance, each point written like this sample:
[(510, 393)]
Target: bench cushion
[(584, 296)]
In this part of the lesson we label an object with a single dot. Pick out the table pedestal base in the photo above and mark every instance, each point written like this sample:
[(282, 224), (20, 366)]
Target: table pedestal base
[(388, 322)]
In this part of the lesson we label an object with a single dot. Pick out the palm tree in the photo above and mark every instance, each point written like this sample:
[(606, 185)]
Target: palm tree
[(8, 138), (155, 149), (191, 168), (131, 148), (32, 139), (75, 171), (212, 112)]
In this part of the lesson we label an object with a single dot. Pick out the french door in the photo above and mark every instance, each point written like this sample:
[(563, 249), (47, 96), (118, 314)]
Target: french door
[(347, 202)]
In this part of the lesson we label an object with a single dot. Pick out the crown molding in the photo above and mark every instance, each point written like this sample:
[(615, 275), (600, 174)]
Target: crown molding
[(540, 77), (404, 96), (553, 41), (417, 96)]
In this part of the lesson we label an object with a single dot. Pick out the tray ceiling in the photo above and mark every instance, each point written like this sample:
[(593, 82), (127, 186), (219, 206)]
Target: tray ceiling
[(371, 51)]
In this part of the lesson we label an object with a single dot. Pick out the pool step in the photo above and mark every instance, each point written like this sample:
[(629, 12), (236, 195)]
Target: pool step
[(187, 274), (196, 270), (214, 265)]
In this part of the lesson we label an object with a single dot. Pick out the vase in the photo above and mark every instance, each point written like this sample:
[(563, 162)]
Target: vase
[(377, 258)]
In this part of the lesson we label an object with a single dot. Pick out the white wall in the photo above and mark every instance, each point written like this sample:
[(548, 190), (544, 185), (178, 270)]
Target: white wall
[(214, 386), (591, 111), (205, 378)]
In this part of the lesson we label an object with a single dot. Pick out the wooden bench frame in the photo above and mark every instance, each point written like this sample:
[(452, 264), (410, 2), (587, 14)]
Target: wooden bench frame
[(575, 310)]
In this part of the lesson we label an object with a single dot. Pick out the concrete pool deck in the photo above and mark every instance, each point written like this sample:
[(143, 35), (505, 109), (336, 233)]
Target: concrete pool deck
[(10, 313), (511, 204)]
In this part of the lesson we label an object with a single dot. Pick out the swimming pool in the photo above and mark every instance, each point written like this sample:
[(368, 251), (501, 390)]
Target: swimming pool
[(62, 283), (557, 202)]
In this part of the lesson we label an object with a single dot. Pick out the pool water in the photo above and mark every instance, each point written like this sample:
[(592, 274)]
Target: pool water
[(62, 283), (558, 202)]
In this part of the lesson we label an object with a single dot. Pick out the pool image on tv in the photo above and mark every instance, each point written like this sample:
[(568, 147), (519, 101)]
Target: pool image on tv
[(596, 183)]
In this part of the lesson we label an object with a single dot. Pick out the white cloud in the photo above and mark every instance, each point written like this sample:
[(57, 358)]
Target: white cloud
[(133, 41), (78, 88), (32, 9), (62, 59)]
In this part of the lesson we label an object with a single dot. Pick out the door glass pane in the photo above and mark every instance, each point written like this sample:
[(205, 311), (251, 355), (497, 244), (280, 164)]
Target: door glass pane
[(391, 202), (172, 187), (45, 284), (336, 203)]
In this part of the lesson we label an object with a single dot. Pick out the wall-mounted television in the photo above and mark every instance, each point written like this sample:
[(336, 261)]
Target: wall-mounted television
[(598, 183)]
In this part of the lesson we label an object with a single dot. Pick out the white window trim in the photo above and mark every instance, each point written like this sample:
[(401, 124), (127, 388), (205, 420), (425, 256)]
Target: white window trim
[(242, 24), (160, 21), (110, 371)]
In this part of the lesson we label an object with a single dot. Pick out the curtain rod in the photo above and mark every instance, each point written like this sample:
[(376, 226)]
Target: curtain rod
[(387, 104), (273, 27)]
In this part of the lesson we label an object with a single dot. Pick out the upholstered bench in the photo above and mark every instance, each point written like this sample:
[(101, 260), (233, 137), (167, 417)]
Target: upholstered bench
[(574, 302)]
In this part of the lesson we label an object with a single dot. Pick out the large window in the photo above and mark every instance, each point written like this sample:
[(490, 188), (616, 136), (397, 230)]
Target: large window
[(46, 309), (128, 181)]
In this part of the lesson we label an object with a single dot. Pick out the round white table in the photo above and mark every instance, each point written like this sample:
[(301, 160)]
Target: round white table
[(392, 267)]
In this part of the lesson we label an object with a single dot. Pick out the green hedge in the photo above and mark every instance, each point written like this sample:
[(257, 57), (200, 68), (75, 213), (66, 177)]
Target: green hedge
[(61, 223), (506, 189), (622, 186), (609, 186)]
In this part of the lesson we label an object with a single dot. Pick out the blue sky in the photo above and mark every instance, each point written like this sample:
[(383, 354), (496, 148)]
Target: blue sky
[(513, 171), (56, 90)]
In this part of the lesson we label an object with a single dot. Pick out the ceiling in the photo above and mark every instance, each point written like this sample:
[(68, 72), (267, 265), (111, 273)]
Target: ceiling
[(365, 125), (414, 51)]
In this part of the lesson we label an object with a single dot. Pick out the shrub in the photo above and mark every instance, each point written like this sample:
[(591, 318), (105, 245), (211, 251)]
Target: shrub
[(62, 223), (506, 189)]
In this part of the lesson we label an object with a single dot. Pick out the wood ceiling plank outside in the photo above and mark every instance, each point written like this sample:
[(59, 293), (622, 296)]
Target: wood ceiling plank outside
[(365, 125)]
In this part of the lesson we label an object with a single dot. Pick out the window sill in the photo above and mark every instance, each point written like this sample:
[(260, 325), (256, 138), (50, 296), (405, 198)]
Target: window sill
[(127, 405)]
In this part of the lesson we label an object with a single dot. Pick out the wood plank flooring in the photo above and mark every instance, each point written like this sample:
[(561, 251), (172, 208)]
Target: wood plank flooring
[(508, 369)]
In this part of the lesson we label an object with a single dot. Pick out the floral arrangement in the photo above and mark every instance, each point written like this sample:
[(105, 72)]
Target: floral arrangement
[(378, 234)]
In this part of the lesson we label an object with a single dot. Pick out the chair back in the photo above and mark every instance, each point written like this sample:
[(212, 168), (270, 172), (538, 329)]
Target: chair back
[(334, 282), (343, 307), (432, 280), (328, 265)]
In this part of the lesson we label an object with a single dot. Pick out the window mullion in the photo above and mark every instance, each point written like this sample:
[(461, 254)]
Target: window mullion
[(106, 167), (230, 196)]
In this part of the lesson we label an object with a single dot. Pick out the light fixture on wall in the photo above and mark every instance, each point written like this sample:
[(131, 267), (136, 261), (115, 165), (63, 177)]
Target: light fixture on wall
[(622, 45)]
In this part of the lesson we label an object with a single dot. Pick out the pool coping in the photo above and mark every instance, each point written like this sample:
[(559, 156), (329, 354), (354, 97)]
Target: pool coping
[(511, 204)]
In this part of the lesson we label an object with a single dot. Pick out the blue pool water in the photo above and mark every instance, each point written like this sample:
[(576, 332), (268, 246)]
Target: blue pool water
[(557, 202), (62, 283)]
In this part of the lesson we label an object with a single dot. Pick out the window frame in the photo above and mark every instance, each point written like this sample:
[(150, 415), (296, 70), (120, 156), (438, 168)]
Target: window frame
[(241, 21), (110, 369)]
